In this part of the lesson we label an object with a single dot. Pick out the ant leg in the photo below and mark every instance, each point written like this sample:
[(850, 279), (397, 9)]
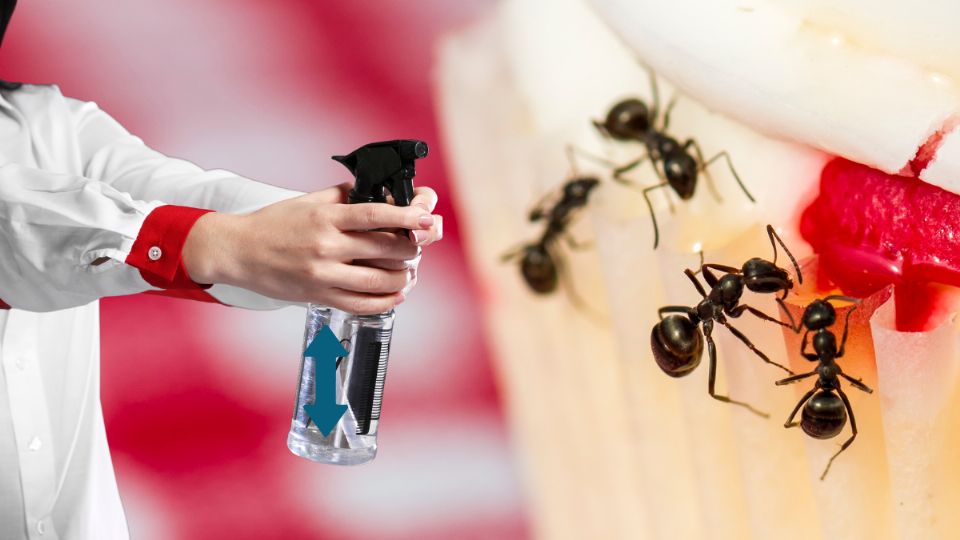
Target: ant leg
[(675, 309), (513, 253), (602, 129), (700, 165), (708, 276), (573, 152), (539, 210), (654, 93), (646, 197), (846, 328), (705, 268), (702, 263), (746, 341), (662, 175), (723, 268), (666, 113), (803, 348), (575, 298), (733, 171), (618, 170), (696, 283), (794, 378), (738, 311), (793, 322), (712, 376), (771, 233), (857, 383), (853, 428), (575, 245), (790, 423)]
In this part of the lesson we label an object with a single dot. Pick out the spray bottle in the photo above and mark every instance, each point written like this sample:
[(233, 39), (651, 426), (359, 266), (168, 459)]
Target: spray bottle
[(336, 417)]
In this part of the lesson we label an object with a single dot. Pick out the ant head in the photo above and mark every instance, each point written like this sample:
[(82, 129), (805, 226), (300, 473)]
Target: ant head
[(762, 276), (730, 289), (819, 314), (824, 415), (579, 188), (825, 344), (628, 120), (538, 269)]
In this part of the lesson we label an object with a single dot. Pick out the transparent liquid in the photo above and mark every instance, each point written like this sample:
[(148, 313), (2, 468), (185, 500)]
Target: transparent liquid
[(359, 385)]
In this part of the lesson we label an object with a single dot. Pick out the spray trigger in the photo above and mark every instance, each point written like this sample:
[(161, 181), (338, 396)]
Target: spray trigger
[(382, 167)]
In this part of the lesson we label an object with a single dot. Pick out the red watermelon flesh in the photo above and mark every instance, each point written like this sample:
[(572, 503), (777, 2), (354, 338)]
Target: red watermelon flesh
[(872, 229)]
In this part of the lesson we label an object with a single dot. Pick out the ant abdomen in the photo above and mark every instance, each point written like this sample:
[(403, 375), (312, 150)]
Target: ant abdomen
[(824, 415), (628, 120), (677, 345), (539, 270)]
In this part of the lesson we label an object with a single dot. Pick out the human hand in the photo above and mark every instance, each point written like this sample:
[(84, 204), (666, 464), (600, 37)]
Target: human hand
[(314, 248), (425, 198)]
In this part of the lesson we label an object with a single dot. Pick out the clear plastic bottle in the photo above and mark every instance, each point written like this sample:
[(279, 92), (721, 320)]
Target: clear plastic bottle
[(359, 385)]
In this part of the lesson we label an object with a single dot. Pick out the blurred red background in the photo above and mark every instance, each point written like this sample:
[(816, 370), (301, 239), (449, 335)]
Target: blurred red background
[(197, 398)]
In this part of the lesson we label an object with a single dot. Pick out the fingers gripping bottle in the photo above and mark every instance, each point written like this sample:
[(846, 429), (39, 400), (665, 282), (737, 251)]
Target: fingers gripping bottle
[(337, 409)]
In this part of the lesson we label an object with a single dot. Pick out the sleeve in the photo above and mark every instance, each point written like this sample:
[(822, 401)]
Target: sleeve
[(69, 240), (111, 155)]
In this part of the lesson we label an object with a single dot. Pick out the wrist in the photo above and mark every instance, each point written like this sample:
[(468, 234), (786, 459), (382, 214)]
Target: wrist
[(209, 255)]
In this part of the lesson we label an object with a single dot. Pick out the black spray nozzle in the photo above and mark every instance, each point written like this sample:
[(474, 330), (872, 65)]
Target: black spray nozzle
[(382, 167)]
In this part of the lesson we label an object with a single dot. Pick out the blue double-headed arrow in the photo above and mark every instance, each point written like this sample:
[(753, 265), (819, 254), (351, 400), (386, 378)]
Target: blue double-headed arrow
[(325, 348)]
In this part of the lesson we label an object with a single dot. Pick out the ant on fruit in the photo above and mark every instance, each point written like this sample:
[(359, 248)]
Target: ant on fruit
[(540, 265), (677, 340), (825, 412), (632, 120)]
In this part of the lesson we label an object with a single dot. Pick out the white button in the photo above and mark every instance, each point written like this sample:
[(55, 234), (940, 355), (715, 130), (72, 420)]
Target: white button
[(154, 253), (35, 444), (41, 527), (20, 362)]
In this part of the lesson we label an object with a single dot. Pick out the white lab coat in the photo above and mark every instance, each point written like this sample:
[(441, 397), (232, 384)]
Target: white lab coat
[(75, 189)]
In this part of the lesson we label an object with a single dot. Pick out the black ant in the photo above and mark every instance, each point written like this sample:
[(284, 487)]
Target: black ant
[(632, 120), (677, 340), (540, 266), (825, 412)]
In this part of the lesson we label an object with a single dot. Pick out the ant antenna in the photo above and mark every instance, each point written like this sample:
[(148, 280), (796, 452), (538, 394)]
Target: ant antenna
[(654, 90), (846, 320), (842, 298), (702, 261), (572, 160), (773, 235), (793, 322)]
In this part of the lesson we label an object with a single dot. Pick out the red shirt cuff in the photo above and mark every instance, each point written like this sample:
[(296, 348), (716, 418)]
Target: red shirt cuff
[(157, 251)]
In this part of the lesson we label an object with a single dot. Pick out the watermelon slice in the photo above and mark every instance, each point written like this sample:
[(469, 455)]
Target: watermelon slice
[(872, 229)]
